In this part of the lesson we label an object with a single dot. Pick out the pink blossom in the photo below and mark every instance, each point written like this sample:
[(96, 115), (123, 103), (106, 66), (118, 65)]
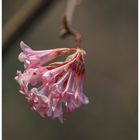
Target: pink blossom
[(33, 58), (60, 82)]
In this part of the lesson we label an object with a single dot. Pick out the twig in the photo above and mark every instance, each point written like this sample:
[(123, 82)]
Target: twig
[(67, 28), (19, 24)]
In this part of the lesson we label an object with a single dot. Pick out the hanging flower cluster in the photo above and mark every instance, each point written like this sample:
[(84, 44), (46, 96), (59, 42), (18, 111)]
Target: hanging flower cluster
[(47, 86)]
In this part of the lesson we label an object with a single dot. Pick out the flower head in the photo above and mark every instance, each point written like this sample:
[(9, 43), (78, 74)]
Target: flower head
[(60, 82)]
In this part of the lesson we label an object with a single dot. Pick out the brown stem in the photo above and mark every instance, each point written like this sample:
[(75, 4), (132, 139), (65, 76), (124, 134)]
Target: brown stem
[(67, 28)]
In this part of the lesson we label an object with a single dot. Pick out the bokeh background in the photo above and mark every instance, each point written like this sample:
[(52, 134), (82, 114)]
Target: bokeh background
[(109, 30)]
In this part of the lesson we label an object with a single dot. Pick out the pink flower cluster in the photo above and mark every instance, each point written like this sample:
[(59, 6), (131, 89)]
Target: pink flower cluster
[(47, 87)]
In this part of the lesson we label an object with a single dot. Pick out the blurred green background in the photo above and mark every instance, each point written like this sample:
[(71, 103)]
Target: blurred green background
[(109, 30)]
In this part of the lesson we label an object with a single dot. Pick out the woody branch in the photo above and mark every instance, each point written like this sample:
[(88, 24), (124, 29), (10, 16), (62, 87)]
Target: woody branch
[(67, 28)]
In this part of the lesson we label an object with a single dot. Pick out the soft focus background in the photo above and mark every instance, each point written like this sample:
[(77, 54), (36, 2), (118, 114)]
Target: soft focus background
[(109, 30)]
